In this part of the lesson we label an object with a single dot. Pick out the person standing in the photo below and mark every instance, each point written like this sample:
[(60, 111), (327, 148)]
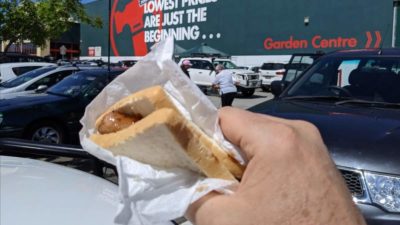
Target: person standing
[(186, 65), (225, 82)]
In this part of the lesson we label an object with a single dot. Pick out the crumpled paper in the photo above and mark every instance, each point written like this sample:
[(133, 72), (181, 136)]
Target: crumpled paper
[(149, 195)]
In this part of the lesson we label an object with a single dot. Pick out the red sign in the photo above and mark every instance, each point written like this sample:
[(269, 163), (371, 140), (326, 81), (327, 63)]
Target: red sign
[(91, 51), (132, 17)]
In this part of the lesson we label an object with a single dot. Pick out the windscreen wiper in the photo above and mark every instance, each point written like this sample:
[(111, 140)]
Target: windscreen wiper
[(369, 103)]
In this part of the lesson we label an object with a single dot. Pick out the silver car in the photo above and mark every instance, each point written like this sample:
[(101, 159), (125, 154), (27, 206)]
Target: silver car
[(37, 80)]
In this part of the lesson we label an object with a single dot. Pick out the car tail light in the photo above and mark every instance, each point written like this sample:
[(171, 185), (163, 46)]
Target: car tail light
[(280, 73)]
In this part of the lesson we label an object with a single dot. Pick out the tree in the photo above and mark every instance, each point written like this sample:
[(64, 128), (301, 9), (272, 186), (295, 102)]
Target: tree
[(40, 20)]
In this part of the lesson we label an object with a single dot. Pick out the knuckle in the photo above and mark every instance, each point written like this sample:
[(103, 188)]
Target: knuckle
[(287, 136), (307, 127)]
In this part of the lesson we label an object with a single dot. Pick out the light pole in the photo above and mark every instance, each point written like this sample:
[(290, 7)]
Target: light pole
[(109, 34), (396, 17)]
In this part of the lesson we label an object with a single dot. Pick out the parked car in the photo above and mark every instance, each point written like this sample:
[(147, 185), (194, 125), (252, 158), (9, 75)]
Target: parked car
[(46, 193), (37, 80), (255, 69), (9, 57), (202, 73), (353, 98), (12, 70), (127, 63), (269, 72), (53, 116), (56, 192)]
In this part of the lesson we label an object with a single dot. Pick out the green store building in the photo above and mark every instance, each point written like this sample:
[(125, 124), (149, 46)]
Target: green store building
[(251, 31)]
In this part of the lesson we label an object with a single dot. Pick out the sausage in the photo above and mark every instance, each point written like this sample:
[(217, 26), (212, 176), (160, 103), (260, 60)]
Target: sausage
[(115, 121)]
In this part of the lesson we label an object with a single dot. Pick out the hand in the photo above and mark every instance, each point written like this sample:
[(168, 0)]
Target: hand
[(290, 178)]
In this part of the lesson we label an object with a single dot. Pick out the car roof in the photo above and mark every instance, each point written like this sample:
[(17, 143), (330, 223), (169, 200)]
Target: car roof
[(99, 72), (84, 67), (196, 58), (17, 64), (365, 52), (46, 193)]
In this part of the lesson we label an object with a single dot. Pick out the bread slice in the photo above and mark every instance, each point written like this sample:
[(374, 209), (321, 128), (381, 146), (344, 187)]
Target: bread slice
[(164, 138)]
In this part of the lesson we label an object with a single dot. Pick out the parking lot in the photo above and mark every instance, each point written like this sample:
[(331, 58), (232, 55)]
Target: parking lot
[(243, 102)]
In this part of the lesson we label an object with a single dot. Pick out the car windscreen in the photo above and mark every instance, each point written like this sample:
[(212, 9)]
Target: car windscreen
[(272, 66), (375, 79), (26, 77), (74, 84), (229, 65)]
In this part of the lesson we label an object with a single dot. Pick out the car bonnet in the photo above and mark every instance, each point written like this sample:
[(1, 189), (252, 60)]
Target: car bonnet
[(37, 192)]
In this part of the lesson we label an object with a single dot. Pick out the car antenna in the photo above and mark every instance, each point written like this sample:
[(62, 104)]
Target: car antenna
[(383, 40)]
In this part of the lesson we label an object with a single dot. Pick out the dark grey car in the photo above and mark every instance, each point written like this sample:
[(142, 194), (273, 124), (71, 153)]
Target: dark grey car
[(353, 97)]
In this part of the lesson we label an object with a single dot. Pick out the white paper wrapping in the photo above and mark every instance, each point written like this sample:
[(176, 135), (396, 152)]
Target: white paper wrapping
[(149, 195)]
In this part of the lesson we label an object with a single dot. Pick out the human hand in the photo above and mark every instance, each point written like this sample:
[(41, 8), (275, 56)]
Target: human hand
[(290, 178)]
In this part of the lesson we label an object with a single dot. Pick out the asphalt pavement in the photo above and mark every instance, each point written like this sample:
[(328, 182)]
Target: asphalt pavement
[(243, 102)]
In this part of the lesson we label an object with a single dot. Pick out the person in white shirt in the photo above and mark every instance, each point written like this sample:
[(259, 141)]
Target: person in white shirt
[(225, 82)]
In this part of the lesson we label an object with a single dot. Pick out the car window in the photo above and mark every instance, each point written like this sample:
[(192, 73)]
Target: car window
[(23, 69), (297, 66), (229, 65), (372, 79), (50, 80), (273, 66), (26, 77), (202, 64), (98, 85), (82, 82), (196, 64)]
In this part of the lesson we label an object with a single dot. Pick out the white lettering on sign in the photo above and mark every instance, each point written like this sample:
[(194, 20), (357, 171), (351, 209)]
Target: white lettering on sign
[(180, 19)]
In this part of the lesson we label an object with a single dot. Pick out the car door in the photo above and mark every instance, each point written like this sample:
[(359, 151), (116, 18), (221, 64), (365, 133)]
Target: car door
[(297, 64), (49, 80), (202, 72)]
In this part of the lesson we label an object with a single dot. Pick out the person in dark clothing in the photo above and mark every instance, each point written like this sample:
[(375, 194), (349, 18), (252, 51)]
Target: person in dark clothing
[(186, 65)]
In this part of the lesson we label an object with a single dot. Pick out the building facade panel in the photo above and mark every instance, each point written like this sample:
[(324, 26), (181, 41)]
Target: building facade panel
[(241, 28)]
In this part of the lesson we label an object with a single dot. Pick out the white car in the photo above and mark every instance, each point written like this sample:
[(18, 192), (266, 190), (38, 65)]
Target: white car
[(269, 72), (39, 193), (36, 80), (12, 70), (203, 74)]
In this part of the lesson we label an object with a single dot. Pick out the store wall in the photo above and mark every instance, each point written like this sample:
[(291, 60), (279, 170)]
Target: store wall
[(241, 28)]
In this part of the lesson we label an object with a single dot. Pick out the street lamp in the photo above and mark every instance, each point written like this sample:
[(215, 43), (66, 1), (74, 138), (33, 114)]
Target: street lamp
[(109, 34), (396, 17)]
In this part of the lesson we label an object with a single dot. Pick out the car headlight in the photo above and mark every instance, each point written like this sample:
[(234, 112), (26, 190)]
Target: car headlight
[(384, 190), (239, 77)]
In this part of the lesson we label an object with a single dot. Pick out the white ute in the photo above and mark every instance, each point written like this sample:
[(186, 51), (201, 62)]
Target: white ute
[(202, 73)]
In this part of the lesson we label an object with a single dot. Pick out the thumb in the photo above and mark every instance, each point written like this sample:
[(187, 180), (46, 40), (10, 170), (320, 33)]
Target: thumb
[(249, 131)]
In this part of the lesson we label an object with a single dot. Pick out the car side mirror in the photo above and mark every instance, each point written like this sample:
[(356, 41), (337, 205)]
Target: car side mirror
[(277, 87), (41, 88)]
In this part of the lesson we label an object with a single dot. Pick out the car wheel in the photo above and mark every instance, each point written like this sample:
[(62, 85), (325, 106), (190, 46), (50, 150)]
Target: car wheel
[(46, 132), (248, 92)]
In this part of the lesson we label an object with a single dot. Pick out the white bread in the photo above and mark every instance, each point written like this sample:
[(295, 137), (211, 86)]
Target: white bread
[(164, 138)]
